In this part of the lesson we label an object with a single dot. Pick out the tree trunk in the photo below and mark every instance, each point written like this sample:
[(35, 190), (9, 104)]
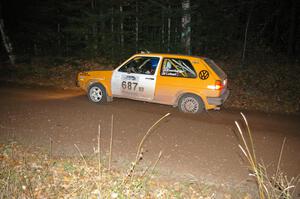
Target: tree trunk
[(102, 17), (7, 43), (169, 27), (245, 37), (94, 28), (163, 28), (292, 30), (277, 17), (58, 32), (112, 21), (186, 26), (136, 26), (121, 28)]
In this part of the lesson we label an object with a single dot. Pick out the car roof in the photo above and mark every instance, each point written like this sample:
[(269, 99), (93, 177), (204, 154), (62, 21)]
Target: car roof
[(170, 55)]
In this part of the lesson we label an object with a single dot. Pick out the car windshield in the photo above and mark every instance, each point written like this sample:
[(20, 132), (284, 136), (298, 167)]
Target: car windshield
[(215, 68)]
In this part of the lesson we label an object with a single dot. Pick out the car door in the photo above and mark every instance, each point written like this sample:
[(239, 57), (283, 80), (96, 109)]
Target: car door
[(136, 78)]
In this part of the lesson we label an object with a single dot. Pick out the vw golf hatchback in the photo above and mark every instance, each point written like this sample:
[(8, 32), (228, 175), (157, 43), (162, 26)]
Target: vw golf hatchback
[(191, 83)]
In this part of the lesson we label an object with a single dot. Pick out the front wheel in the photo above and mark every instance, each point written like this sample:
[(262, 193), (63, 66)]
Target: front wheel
[(190, 103), (97, 93)]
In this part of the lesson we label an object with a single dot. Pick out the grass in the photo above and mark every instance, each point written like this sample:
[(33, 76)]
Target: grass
[(277, 185)]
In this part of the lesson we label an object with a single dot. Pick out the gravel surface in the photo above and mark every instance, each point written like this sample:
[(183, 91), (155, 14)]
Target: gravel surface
[(195, 147)]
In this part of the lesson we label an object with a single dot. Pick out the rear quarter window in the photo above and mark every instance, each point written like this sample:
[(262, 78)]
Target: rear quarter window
[(215, 68), (174, 67)]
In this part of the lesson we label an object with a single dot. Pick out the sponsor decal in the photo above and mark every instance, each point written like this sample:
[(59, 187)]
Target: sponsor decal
[(129, 78)]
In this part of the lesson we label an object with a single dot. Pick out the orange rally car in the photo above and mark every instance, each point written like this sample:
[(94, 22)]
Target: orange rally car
[(191, 83)]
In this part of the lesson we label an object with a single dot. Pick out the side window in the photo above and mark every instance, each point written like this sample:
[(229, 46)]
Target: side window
[(141, 65), (177, 68)]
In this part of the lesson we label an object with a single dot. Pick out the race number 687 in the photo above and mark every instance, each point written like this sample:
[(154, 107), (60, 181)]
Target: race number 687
[(129, 85)]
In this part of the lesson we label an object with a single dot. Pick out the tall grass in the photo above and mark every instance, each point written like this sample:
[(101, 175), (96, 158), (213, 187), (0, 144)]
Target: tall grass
[(139, 153), (275, 186)]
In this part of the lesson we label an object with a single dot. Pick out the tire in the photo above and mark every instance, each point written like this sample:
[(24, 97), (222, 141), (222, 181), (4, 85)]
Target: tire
[(97, 93), (190, 103)]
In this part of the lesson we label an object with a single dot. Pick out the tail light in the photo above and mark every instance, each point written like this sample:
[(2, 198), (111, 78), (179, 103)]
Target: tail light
[(218, 85)]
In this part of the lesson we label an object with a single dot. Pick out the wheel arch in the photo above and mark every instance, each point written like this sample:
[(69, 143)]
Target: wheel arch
[(181, 94), (95, 81)]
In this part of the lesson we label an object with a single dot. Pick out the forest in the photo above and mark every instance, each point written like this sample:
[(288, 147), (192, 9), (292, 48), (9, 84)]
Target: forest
[(115, 29)]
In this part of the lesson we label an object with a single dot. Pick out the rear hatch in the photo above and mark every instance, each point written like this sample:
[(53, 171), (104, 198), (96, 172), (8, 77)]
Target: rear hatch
[(221, 74)]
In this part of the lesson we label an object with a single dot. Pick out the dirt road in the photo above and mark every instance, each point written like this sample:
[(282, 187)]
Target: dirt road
[(202, 147)]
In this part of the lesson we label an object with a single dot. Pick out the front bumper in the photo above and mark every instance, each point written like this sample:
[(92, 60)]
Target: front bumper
[(218, 100)]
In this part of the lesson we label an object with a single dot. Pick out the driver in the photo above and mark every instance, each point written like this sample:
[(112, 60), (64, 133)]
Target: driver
[(154, 63)]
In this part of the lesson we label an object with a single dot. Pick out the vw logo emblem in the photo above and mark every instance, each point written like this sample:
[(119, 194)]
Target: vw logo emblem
[(204, 74)]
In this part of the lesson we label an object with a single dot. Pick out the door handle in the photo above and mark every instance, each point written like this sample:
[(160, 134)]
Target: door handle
[(149, 78)]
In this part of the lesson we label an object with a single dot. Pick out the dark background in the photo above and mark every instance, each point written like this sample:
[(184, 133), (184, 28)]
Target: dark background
[(92, 28)]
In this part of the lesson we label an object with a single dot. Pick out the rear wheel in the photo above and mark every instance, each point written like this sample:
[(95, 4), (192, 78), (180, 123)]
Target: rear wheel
[(190, 103), (97, 93)]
